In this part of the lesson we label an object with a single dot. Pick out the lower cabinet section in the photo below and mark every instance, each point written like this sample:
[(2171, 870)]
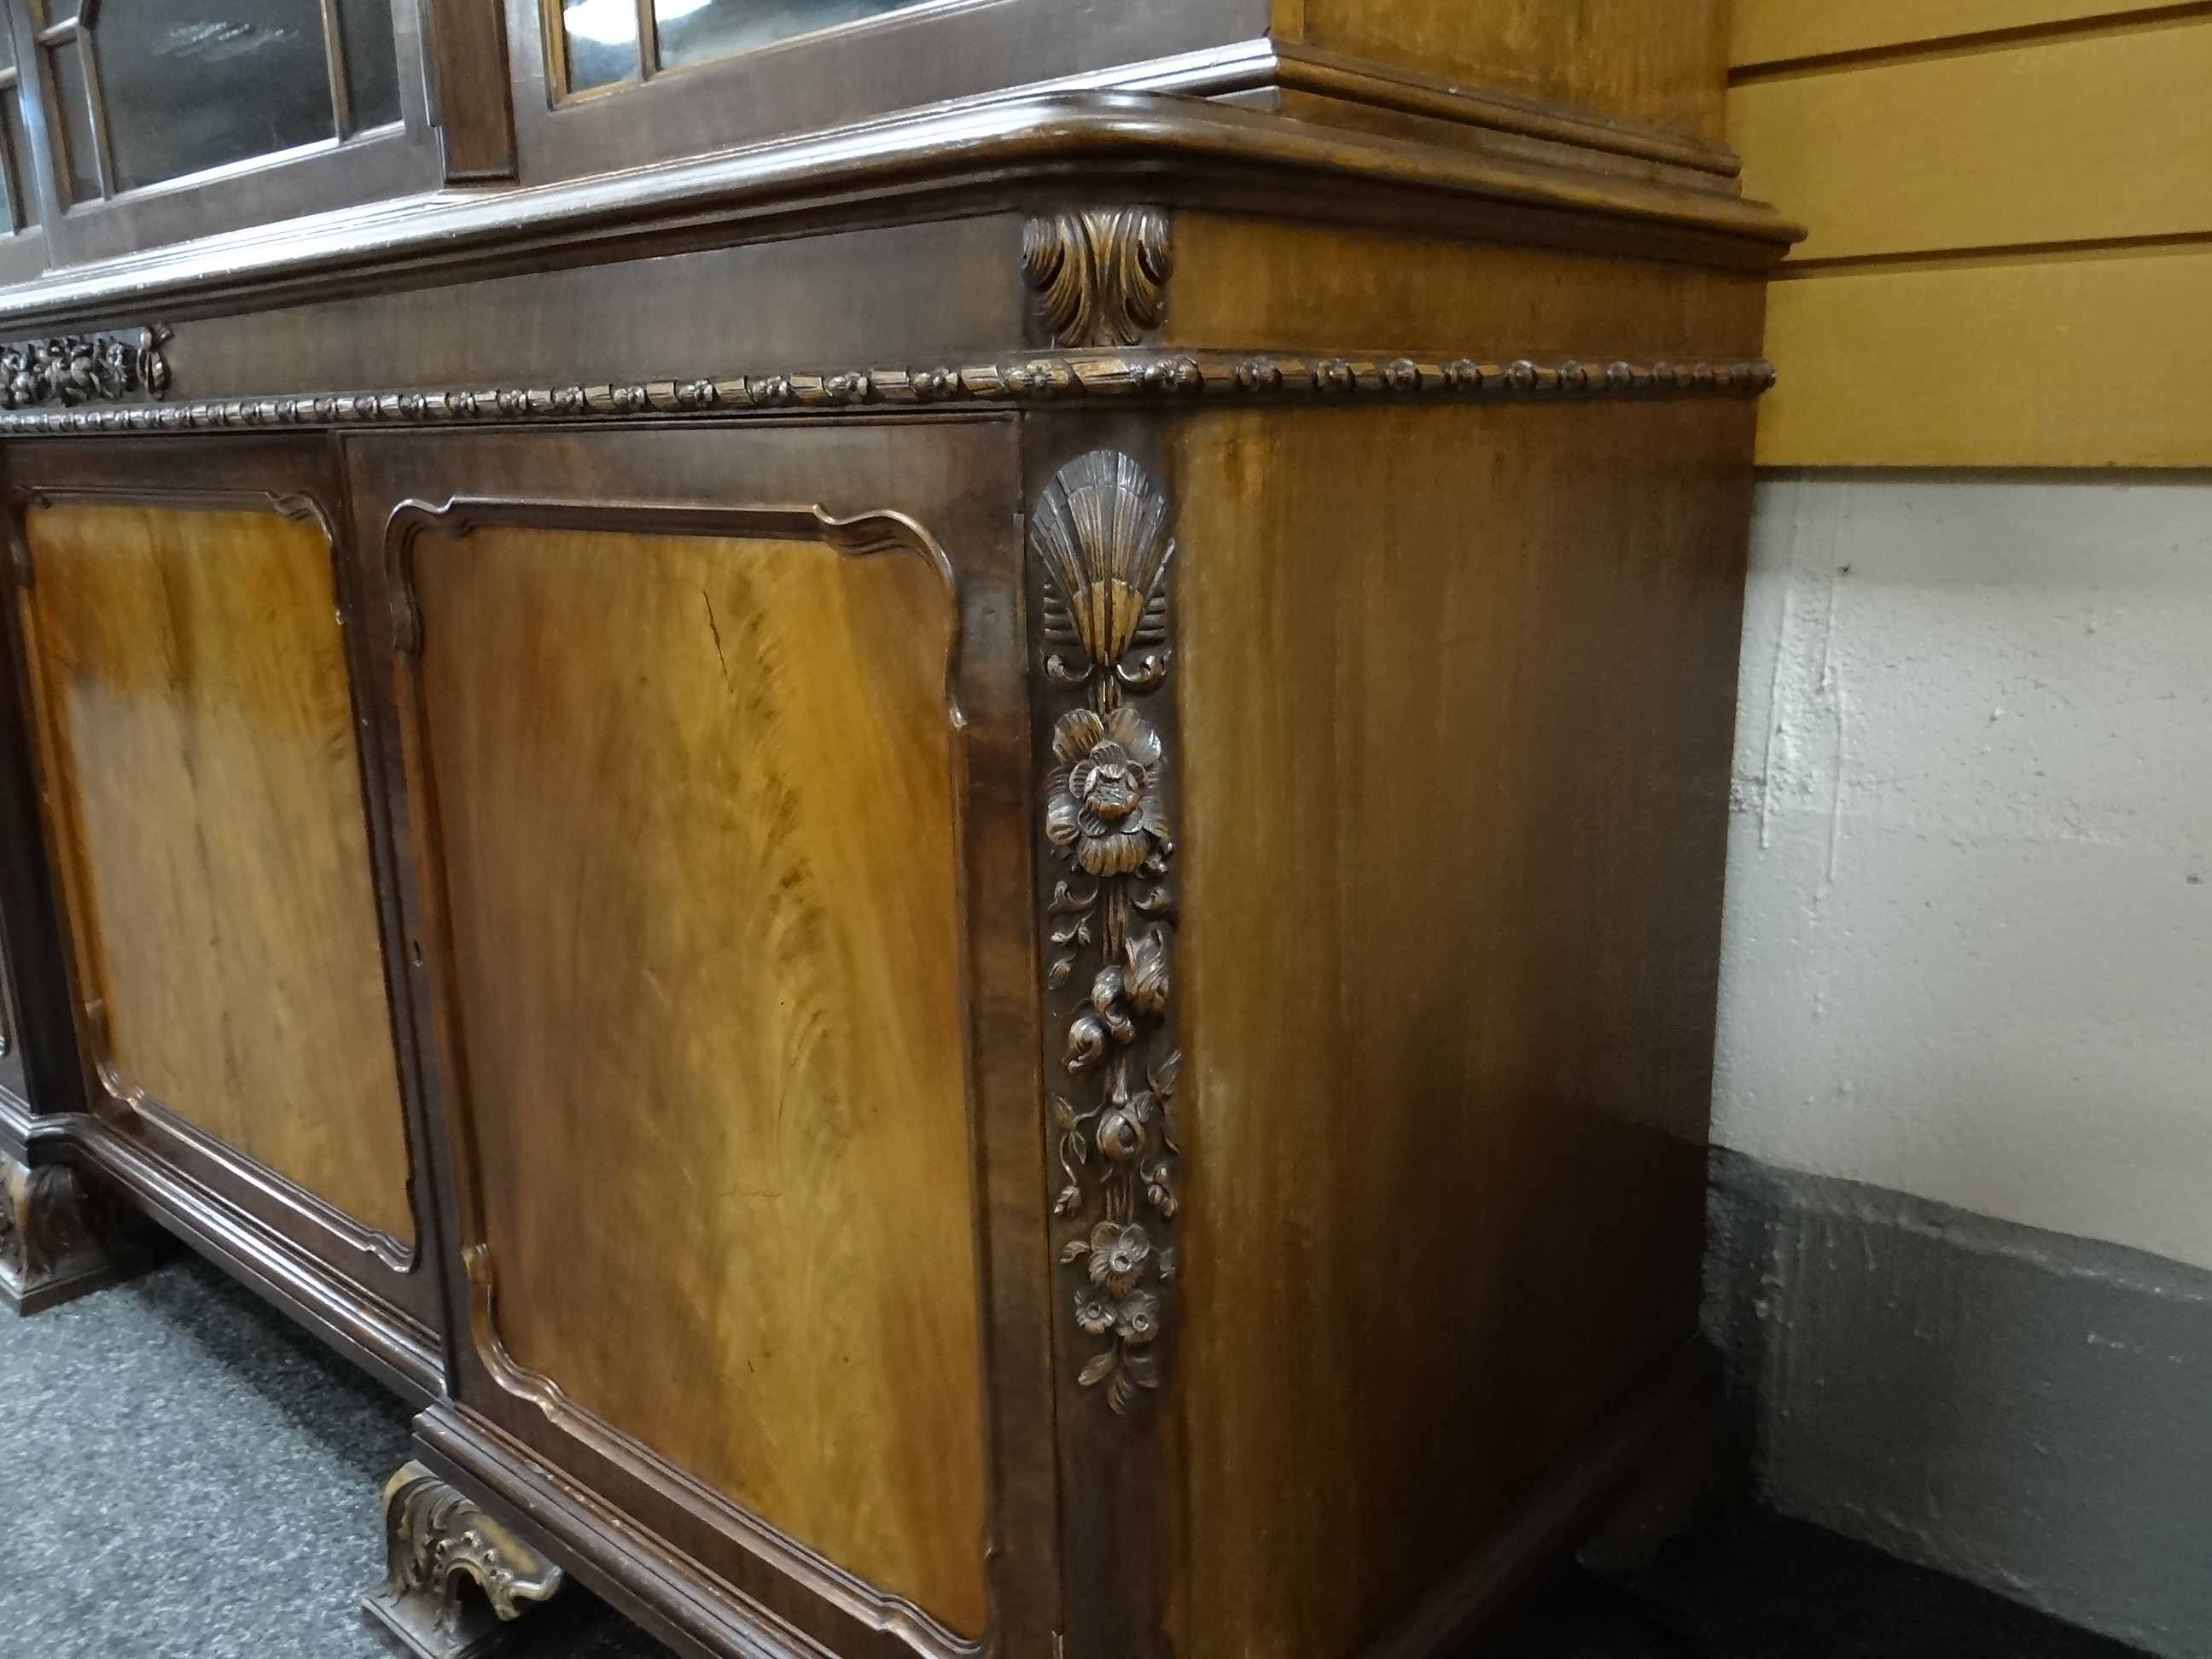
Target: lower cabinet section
[(1051, 1035)]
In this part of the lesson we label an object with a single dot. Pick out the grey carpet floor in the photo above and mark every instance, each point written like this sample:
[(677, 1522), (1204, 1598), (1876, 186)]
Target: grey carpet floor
[(187, 1476)]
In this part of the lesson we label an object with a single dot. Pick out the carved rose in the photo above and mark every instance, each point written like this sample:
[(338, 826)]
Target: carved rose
[(1122, 1123), (1118, 1254), (1102, 806)]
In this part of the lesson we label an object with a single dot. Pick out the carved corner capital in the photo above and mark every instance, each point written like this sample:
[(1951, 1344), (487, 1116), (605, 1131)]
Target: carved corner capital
[(61, 1235), (1101, 274), (437, 1542)]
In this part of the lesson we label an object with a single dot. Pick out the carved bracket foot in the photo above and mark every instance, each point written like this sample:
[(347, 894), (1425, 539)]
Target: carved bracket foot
[(456, 1577), (63, 1234)]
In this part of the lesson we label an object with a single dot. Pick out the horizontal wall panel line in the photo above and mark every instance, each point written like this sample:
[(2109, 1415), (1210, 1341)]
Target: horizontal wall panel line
[(1830, 54), (2023, 254), (2083, 138), (2064, 363)]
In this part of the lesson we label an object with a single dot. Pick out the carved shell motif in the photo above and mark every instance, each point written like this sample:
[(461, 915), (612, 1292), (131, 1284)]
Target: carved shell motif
[(1100, 534)]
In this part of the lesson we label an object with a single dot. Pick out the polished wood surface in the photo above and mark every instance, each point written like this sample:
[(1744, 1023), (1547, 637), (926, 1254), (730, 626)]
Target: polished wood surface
[(695, 802), (1457, 700), (1657, 62), (1270, 284), (206, 795)]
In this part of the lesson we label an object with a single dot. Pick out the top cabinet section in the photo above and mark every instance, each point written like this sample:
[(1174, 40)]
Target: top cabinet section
[(133, 124)]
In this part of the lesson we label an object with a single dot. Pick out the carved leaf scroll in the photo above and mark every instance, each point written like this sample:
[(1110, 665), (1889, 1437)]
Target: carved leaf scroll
[(1102, 274), (1100, 534)]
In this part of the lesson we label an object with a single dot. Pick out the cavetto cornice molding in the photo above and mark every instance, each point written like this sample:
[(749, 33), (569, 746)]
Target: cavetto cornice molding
[(984, 156), (1020, 380)]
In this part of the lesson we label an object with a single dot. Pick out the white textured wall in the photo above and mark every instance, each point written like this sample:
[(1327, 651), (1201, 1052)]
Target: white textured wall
[(1969, 937)]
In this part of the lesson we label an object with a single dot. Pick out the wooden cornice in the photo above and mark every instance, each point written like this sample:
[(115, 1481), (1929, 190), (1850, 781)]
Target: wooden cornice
[(1011, 154)]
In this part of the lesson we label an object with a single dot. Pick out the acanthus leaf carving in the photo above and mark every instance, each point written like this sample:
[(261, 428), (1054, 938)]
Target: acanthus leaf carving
[(1100, 536), (435, 1537), (1101, 274)]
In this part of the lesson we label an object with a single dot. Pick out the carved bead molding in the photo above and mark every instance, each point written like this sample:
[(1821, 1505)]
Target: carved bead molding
[(1102, 275), (84, 368), (1026, 380), (1101, 536), (61, 1235), (434, 1539)]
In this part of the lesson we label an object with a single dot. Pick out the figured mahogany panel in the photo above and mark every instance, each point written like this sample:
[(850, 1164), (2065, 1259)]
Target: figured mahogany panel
[(695, 799), (1457, 699), (205, 790), (1660, 62)]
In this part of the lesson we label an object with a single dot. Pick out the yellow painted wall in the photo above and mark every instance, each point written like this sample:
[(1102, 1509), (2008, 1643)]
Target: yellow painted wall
[(2010, 208)]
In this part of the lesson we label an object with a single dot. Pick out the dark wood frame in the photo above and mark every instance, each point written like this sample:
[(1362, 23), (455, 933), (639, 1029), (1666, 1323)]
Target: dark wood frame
[(370, 1297), (351, 170), (681, 1559), (850, 73)]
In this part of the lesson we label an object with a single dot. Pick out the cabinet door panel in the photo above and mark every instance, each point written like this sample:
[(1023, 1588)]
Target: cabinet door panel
[(695, 802), (714, 751), (189, 672)]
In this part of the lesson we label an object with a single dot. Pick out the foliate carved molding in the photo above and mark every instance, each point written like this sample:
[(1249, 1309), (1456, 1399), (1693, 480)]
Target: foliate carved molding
[(84, 368), (1100, 536), (1101, 274), (435, 1539), (61, 1235), (1021, 380)]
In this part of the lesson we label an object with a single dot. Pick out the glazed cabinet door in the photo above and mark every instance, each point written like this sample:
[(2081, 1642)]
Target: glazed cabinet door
[(188, 688), (712, 746)]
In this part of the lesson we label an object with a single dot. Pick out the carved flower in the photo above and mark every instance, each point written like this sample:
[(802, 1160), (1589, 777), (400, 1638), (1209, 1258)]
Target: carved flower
[(1122, 1125), (1137, 1320), (1094, 1313), (1102, 806), (1118, 1254)]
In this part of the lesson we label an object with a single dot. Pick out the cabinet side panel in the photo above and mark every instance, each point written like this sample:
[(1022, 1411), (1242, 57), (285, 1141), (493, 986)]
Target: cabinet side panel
[(1458, 692), (695, 801), (1662, 63), (191, 678)]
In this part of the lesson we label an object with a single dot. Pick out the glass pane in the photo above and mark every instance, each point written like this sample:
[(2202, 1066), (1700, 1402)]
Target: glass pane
[(189, 84), (372, 62), (7, 38), (80, 169), (690, 31), (22, 191), (59, 11), (600, 37)]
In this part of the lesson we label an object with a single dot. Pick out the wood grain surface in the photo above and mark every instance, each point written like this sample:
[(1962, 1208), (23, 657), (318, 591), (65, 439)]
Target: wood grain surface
[(695, 798), (1657, 62), (1268, 285), (1458, 692), (206, 793)]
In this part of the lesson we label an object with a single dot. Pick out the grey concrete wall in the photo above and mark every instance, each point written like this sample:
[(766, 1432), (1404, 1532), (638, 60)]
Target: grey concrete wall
[(2028, 1410), (1969, 935), (1968, 958)]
